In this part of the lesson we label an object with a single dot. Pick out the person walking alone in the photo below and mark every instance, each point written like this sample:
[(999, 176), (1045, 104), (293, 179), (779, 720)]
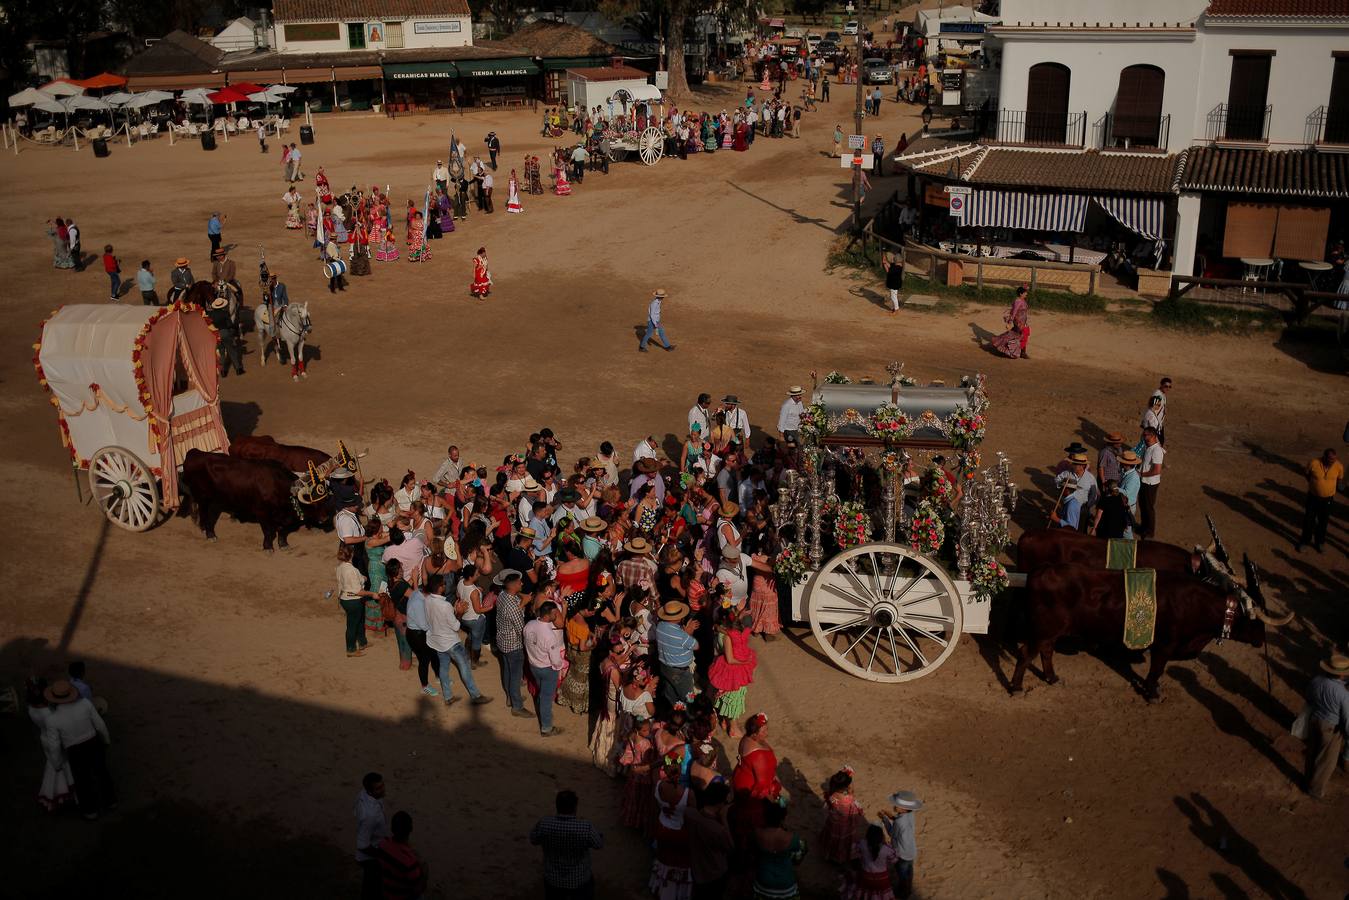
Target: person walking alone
[(1325, 718), (1323, 480), (372, 827), (894, 277), (653, 322), (113, 266), (213, 226), (567, 841)]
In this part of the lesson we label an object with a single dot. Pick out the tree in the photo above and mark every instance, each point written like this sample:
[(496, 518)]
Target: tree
[(506, 13), (677, 16)]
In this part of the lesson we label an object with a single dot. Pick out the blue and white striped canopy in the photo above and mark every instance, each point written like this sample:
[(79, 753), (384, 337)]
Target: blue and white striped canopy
[(1020, 209), (1142, 215)]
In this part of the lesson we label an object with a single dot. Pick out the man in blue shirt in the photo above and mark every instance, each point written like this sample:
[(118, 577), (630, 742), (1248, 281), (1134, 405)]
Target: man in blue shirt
[(1328, 715), (417, 626), (213, 231), (653, 323), (674, 649), (145, 280)]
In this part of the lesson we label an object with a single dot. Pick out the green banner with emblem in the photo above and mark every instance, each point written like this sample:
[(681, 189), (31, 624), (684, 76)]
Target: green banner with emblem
[(1140, 607)]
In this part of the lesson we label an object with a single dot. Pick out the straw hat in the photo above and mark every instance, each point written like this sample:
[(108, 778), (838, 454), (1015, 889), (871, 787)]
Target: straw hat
[(181, 261), (1129, 458), (906, 800), (61, 692), (646, 465), (594, 525), (795, 391), (1114, 437), (660, 292), (729, 510), (638, 545), (505, 575), (1338, 664), (528, 532), (1078, 459), (219, 303), (531, 486), (673, 611)]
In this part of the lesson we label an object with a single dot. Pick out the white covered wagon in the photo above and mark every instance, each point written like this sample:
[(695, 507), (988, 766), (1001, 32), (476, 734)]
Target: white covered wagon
[(135, 388)]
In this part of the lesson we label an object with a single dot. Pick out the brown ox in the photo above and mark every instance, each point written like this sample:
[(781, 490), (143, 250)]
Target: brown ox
[(1050, 546), (1088, 602), (294, 457), (250, 490)]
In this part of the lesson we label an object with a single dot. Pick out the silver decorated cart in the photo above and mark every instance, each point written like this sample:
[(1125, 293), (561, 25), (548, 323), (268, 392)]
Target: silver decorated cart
[(885, 607)]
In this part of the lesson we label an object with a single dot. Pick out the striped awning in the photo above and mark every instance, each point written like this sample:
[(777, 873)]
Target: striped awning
[(1142, 215), (1020, 209)]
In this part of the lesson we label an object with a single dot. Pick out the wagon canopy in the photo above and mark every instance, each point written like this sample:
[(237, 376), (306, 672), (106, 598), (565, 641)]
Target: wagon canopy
[(113, 371), (914, 402)]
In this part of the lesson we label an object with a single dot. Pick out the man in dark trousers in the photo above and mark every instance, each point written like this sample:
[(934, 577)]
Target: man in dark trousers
[(824, 86), (219, 314), (567, 841), (493, 147)]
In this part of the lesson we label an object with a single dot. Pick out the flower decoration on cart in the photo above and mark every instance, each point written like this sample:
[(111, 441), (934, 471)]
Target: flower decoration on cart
[(852, 525), (888, 422), (964, 428), (791, 565), (926, 531), (814, 424), (988, 578)]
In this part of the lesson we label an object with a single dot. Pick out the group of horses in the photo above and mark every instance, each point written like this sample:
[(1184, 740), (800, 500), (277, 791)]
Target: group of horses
[(287, 330)]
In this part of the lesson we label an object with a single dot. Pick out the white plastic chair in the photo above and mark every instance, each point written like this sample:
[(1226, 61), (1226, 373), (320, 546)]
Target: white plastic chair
[(243, 123), (284, 125)]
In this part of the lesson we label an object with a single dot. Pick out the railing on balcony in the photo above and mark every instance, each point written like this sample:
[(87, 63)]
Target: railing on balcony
[(1047, 129), (1324, 128), (1115, 132), (1239, 123)]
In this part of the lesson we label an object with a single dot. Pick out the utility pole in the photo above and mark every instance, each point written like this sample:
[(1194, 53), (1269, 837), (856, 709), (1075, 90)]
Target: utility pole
[(857, 129)]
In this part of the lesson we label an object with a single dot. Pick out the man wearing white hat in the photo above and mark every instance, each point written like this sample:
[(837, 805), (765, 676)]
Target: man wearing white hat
[(653, 324), (899, 821), (789, 417), (1327, 718)]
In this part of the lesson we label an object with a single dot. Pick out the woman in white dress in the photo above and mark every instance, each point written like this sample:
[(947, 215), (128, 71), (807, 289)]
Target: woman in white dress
[(57, 783), (513, 198)]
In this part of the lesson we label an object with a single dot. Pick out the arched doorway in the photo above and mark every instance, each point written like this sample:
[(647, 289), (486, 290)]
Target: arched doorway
[(1047, 104), (1137, 119)]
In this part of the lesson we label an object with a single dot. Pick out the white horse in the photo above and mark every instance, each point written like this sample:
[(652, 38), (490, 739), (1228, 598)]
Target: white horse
[(290, 328)]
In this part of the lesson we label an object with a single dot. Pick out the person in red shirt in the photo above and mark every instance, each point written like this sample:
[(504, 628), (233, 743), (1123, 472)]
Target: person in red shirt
[(113, 266)]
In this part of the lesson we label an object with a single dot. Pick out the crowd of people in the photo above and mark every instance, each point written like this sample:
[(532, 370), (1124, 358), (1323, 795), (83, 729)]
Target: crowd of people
[(627, 591)]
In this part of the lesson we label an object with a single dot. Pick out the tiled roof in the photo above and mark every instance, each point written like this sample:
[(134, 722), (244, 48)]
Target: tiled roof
[(941, 157), (551, 40), (365, 10), (1090, 170), (1302, 173), (1264, 9), (272, 59), (177, 53), (605, 73)]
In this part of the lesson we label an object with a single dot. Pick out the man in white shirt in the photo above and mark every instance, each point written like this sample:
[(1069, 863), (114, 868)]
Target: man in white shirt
[(1151, 481), (372, 826), (449, 470), (736, 418), (525, 508), (1163, 389), (789, 417), (606, 461), (701, 415), (653, 323), (76, 727), (440, 175), (442, 636), (1081, 489), (543, 652), (646, 448)]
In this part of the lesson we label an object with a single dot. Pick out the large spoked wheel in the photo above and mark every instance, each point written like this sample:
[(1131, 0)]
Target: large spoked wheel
[(652, 145), (884, 612), (125, 487), (617, 152)]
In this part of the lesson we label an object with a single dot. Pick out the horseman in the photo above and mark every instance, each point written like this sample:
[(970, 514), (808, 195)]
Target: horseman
[(228, 347), (225, 278), (181, 278)]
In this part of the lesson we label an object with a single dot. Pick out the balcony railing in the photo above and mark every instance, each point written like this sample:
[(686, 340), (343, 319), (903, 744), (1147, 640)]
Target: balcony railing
[(1247, 124), (1046, 129), (1323, 128), (1132, 132)]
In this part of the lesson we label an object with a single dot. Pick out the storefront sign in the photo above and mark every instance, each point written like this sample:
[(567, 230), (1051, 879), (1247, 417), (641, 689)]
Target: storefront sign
[(423, 70), (958, 199), (374, 33), (962, 27), (450, 27), (935, 196), (501, 72)]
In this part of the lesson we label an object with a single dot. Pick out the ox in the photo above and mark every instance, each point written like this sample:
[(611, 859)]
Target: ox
[(294, 457), (1086, 601), (1051, 546), (249, 490)]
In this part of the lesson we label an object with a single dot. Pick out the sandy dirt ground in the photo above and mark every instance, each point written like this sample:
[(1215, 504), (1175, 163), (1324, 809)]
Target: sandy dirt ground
[(241, 731)]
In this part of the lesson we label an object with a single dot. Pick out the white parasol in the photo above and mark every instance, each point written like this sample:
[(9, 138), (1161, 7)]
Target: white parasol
[(196, 97), (117, 98), (79, 101), (147, 98), (51, 106), (62, 89), (27, 97), (280, 89)]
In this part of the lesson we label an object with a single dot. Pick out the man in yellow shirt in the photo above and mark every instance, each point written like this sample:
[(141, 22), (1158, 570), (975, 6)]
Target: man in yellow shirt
[(1323, 480)]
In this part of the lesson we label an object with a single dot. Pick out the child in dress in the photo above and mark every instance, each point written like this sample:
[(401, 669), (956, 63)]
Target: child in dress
[(899, 821), (843, 818), (639, 797), (869, 876)]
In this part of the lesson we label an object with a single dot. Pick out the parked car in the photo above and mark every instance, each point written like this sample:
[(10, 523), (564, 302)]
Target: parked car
[(813, 41), (826, 48), (833, 36), (877, 71), (851, 27)]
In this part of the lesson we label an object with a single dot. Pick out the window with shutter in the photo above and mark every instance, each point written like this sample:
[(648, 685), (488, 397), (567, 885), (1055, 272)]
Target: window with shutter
[(393, 35), (1250, 230), (1047, 104), (1337, 114), (1246, 95), (1138, 106)]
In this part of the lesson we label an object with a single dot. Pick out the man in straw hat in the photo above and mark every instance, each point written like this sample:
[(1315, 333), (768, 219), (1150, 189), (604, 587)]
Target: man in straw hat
[(899, 821), (647, 471), (1107, 461), (675, 647), (638, 569), (1077, 492), (1129, 484), (653, 322), (736, 418), (180, 279), (789, 416), (77, 727), (1327, 718), (228, 347)]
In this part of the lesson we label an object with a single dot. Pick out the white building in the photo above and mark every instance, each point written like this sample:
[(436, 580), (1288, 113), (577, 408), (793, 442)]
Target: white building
[(241, 34), (341, 26), (959, 28)]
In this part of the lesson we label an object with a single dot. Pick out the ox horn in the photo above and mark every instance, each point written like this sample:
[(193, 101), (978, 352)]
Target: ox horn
[(1259, 605), (1216, 547), (313, 475)]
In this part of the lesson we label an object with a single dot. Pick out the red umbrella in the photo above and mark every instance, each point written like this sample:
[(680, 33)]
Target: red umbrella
[(105, 80), (229, 94), (246, 87)]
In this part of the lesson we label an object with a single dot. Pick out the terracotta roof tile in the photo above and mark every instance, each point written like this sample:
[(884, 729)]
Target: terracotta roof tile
[(1145, 173), (365, 10), (1319, 9), (177, 53), (1303, 173), (551, 40)]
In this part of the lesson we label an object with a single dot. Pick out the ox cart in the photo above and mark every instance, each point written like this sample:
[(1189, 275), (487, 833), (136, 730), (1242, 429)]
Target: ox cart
[(889, 481), (647, 145), (135, 388)]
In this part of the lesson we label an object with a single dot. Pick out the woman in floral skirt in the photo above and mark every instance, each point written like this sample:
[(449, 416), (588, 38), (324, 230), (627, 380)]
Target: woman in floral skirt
[(843, 818), (733, 670)]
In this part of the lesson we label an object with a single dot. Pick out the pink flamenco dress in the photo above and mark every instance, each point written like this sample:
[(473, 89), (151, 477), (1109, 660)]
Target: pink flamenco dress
[(638, 810), (561, 186), (732, 680), (763, 604), (388, 248), (418, 251), (843, 821)]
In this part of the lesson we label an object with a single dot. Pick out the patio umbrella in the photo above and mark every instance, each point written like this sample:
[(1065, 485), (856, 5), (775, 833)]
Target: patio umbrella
[(101, 81), (246, 87), (51, 106), (62, 88), (117, 98), (281, 88), (147, 98), (227, 95), (196, 97), (79, 101), (27, 97)]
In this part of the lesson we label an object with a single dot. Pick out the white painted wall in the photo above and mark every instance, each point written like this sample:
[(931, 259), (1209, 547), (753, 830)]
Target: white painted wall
[(1101, 12), (1095, 66), (411, 39), (1299, 73)]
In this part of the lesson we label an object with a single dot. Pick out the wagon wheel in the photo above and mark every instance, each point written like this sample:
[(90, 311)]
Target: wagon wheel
[(617, 152), (652, 145), (125, 487), (884, 612)]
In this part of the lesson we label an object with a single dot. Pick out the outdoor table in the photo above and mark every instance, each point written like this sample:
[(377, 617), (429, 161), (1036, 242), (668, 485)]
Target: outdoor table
[(1257, 267), (1315, 272)]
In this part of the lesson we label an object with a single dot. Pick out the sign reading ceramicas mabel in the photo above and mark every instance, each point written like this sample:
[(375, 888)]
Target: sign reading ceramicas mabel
[(449, 27), (442, 72)]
